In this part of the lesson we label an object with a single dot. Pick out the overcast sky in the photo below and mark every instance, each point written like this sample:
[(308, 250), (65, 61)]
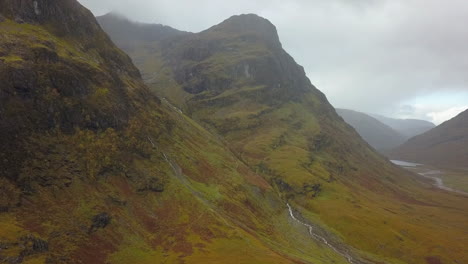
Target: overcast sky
[(400, 58)]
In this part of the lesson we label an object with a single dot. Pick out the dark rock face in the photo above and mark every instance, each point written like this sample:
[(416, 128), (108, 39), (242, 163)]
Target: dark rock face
[(56, 12), (242, 51), (9, 195), (100, 221), (152, 185), (28, 245), (68, 17), (48, 84), (34, 245)]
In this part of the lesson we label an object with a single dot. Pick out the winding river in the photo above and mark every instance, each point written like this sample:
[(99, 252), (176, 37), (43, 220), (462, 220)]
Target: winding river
[(429, 174)]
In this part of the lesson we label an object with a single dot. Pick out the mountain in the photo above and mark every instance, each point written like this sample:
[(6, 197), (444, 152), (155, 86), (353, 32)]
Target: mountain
[(406, 127), (443, 146), (129, 35), (235, 80), (377, 134), (96, 169)]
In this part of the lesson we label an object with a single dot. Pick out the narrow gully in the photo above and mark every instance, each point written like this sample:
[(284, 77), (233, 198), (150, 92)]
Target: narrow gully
[(318, 237)]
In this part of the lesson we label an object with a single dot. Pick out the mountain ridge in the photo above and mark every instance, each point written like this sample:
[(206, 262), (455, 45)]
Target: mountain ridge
[(95, 169), (380, 136), (253, 96), (443, 145), (407, 127)]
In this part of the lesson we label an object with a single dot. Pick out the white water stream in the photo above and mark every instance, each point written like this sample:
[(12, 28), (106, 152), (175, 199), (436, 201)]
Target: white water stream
[(318, 237)]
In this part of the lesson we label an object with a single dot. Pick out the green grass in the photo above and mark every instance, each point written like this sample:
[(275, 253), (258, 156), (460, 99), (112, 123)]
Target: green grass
[(364, 200), (227, 206), (456, 179)]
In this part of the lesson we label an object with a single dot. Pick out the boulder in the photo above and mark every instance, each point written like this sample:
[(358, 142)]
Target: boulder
[(100, 221)]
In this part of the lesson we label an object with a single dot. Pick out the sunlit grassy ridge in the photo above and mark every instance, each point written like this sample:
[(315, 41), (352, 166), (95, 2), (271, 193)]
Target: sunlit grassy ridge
[(97, 170), (243, 87)]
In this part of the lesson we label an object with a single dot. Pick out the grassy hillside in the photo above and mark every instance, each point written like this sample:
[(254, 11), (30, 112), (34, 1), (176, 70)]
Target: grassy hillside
[(443, 146), (236, 80), (380, 136), (95, 169)]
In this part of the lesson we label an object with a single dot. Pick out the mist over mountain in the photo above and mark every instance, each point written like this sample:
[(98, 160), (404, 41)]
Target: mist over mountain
[(406, 127), (385, 57), (379, 135), (236, 80), (223, 152)]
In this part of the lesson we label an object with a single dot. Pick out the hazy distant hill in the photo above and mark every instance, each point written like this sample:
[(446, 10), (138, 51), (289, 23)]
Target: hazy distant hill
[(406, 127), (237, 81), (445, 145), (377, 134), (130, 34)]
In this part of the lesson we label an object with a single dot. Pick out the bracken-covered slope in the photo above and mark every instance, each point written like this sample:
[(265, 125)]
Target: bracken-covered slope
[(380, 136), (443, 146), (95, 169), (407, 127), (236, 80)]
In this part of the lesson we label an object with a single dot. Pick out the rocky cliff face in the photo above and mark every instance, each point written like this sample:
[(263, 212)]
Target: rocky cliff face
[(95, 169), (236, 80), (59, 71), (64, 18), (242, 51)]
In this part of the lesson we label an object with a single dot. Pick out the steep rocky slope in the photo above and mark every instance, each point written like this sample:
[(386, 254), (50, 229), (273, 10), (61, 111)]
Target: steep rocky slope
[(444, 146), (95, 169), (374, 132), (406, 127), (236, 80)]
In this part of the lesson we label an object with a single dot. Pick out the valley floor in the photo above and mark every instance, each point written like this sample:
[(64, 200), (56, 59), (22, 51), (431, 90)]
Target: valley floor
[(449, 179)]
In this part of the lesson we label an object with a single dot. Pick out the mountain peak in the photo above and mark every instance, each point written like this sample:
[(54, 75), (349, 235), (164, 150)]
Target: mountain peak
[(64, 17), (249, 24)]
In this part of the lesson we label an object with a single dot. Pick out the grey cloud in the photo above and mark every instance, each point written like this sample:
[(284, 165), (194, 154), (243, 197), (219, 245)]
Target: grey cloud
[(367, 55)]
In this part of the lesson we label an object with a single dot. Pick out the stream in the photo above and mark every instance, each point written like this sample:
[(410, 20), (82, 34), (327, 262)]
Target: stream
[(179, 175), (318, 237), (429, 174)]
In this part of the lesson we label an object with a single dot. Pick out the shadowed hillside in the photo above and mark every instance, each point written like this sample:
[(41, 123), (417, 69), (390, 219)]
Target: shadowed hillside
[(96, 169), (236, 80), (444, 146), (380, 136)]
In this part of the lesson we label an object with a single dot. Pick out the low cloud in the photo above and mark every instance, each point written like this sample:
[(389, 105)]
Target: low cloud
[(368, 55)]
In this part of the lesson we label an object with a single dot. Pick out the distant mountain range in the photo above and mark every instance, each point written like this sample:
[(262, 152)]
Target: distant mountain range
[(379, 135), (444, 146), (406, 127), (235, 80), (98, 166), (384, 133)]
